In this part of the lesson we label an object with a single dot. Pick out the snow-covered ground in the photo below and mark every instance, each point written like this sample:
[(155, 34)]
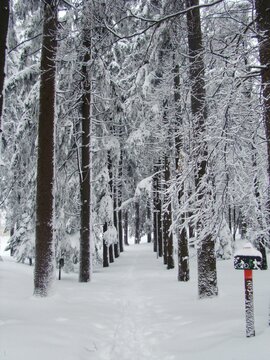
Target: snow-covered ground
[(134, 310)]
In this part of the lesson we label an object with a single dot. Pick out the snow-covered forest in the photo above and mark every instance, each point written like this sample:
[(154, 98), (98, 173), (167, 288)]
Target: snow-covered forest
[(127, 120)]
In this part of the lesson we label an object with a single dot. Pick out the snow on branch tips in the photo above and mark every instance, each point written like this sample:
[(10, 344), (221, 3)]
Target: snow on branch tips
[(144, 187)]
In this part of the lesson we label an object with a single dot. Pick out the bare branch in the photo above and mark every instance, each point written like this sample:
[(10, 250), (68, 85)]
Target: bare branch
[(155, 22), (23, 42), (178, 13)]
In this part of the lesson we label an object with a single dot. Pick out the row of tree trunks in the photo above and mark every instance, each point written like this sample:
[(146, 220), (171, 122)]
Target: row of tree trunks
[(44, 257), (157, 215), (162, 216), (115, 185)]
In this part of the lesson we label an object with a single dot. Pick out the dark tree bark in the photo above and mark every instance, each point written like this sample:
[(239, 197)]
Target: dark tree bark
[(157, 204), (207, 276), (149, 232), (126, 228), (120, 216), (113, 249), (115, 221), (182, 236), (155, 210), (44, 259), (4, 19), (137, 223), (167, 221), (263, 23), (105, 248), (111, 254), (261, 240), (85, 178), (120, 228)]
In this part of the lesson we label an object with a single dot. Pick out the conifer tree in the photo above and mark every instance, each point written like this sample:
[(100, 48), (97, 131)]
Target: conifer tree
[(4, 19), (207, 277), (263, 23), (44, 258), (85, 174)]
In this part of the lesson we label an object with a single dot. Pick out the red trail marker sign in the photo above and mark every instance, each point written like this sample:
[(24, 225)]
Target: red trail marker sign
[(248, 259)]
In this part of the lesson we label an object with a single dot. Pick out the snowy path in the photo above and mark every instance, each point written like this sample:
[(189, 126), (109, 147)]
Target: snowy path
[(134, 291), (134, 310)]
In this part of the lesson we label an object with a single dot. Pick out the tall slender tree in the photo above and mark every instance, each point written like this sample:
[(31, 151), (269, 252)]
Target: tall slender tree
[(263, 23), (4, 19), (182, 238), (85, 178), (167, 218), (207, 277), (44, 263)]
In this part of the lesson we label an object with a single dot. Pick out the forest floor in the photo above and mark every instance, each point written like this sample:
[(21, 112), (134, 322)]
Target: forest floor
[(133, 310)]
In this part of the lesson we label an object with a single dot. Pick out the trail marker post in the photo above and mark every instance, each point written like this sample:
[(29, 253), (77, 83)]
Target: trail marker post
[(248, 259)]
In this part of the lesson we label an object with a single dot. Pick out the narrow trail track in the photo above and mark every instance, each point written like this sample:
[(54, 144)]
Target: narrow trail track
[(134, 290)]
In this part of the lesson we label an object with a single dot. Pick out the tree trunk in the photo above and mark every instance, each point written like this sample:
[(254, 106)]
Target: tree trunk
[(44, 258), (120, 229), (137, 222), (85, 178), (158, 236), (182, 236), (263, 23), (167, 220), (113, 249), (126, 228), (207, 277), (116, 224), (155, 210), (119, 200), (183, 256), (149, 232), (4, 18), (159, 226), (260, 241), (105, 248), (111, 254)]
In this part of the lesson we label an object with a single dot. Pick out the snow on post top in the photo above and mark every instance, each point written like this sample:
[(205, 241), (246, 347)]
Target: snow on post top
[(248, 250)]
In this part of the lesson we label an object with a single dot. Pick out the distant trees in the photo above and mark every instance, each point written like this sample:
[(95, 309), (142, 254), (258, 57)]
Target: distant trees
[(44, 249)]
